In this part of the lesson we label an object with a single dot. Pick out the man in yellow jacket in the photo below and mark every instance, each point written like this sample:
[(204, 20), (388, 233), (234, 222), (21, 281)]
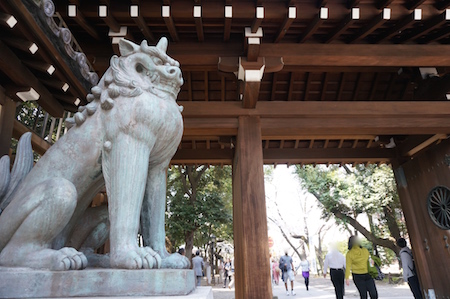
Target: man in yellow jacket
[(357, 260)]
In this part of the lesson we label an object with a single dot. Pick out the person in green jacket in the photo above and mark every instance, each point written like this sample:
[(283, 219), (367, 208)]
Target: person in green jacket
[(357, 262)]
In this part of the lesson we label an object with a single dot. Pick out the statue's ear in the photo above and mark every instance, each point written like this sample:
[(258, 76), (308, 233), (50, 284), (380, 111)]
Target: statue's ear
[(127, 47), (162, 44)]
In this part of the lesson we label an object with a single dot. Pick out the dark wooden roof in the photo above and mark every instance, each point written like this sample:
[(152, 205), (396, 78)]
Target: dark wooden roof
[(373, 59)]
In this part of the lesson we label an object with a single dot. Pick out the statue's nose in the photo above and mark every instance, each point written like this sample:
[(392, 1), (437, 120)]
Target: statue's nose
[(174, 72)]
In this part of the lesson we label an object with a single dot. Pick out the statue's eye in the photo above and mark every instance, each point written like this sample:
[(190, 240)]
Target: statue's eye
[(157, 61), (139, 68)]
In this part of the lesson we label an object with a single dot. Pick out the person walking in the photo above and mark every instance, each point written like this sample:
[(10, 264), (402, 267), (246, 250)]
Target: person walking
[(336, 262), (357, 260), (304, 264), (226, 273), (198, 265), (287, 267), (276, 272), (409, 268)]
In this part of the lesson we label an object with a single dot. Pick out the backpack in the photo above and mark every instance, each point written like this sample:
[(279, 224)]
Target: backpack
[(413, 270), (373, 266)]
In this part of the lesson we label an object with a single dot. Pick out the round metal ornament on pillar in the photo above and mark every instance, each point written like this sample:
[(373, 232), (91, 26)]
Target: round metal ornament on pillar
[(438, 205)]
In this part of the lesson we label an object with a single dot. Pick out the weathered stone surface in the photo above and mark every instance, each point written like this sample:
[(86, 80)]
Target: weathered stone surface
[(123, 140), (28, 283)]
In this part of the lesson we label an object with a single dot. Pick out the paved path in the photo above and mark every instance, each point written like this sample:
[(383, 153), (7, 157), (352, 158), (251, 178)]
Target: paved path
[(321, 288)]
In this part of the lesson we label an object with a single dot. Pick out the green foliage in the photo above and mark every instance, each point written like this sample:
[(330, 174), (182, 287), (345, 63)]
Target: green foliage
[(202, 207), (346, 192)]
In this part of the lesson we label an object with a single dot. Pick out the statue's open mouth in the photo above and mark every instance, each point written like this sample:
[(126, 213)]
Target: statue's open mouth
[(171, 89)]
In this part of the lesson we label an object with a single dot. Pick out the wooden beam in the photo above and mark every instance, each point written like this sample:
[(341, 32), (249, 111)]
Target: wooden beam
[(428, 26), (352, 3), (227, 29), (251, 94), (83, 23), (439, 34), (415, 145), (274, 87), (340, 28), (357, 86), (171, 27), (291, 86), (373, 89), (21, 75), (327, 155), (341, 87), (39, 145), (45, 43), (323, 94), (443, 4), (370, 27), (287, 155), (7, 116), (283, 29), (249, 214), (142, 24), (311, 29), (199, 29), (109, 20), (413, 4), (312, 109), (307, 86), (394, 30), (383, 3)]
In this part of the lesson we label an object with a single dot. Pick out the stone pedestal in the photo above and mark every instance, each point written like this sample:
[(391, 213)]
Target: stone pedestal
[(27, 283)]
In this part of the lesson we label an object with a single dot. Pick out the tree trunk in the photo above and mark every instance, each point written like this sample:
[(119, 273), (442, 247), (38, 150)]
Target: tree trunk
[(287, 240), (378, 241), (189, 239), (391, 222)]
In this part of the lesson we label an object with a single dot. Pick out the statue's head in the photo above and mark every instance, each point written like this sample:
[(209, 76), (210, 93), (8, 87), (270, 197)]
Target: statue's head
[(140, 69), (150, 67)]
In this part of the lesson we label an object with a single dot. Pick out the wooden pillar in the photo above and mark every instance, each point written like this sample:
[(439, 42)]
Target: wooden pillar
[(415, 179), (7, 116), (252, 267)]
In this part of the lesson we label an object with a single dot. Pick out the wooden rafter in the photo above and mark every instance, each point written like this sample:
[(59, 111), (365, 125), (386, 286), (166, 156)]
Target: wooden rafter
[(274, 87), (291, 86), (341, 87), (223, 88), (438, 35), (373, 89), (394, 30), (199, 29), (311, 29), (392, 81), (370, 27), (307, 87), (283, 29), (443, 4), (383, 3), (428, 26), (142, 24), (323, 93), (22, 76), (227, 29), (189, 84), (412, 4), (340, 28), (109, 20), (357, 86), (352, 3), (206, 82), (83, 23)]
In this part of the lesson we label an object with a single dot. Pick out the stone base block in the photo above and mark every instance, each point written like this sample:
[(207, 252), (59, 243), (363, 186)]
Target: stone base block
[(28, 283)]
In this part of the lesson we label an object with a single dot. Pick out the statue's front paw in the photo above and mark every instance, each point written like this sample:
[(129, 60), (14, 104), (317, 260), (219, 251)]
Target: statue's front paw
[(139, 258), (68, 258), (152, 258), (176, 261)]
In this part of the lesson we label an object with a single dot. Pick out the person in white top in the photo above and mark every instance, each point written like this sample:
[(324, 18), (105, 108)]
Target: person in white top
[(305, 272), (336, 262)]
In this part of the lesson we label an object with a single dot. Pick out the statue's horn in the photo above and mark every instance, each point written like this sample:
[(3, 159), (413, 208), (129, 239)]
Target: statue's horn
[(162, 44)]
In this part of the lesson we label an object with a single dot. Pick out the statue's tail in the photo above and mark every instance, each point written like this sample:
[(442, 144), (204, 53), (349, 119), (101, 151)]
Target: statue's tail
[(22, 166)]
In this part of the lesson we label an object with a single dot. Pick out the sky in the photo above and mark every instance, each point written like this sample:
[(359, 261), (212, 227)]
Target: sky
[(284, 194)]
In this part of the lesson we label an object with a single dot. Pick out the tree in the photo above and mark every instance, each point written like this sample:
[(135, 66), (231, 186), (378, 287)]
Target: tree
[(346, 192), (199, 203)]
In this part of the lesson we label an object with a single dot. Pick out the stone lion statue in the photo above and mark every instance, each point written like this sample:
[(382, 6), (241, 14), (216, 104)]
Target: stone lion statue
[(124, 139)]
